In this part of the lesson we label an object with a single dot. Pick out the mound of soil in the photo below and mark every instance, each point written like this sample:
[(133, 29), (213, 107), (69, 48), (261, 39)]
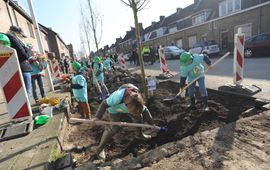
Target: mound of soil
[(82, 139)]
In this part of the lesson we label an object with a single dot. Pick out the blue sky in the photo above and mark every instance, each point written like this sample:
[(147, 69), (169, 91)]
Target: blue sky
[(63, 16)]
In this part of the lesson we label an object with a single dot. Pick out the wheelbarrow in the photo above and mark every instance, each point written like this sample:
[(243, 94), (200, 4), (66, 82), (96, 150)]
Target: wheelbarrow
[(172, 99)]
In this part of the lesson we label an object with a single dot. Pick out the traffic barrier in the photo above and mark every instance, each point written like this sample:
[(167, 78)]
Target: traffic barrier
[(11, 81), (122, 62), (55, 68), (163, 65), (238, 65)]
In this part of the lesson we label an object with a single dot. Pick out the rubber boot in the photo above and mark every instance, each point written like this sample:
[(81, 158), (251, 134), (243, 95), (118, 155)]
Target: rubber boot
[(205, 104), (192, 103)]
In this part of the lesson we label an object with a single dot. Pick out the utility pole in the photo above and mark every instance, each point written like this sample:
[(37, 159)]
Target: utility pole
[(40, 45)]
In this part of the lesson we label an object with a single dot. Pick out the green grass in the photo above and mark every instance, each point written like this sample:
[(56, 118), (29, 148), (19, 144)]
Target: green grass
[(55, 154)]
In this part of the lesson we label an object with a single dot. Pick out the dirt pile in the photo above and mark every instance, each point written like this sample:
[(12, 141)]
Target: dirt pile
[(81, 139)]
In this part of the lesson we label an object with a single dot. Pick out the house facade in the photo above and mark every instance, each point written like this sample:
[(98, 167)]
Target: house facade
[(12, 14), (213, 20)]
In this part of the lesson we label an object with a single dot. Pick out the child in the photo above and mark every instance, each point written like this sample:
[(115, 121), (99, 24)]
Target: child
[(190, 69), (39, 64), (98, 77), (108, 65), (79, 89), (124, 104)]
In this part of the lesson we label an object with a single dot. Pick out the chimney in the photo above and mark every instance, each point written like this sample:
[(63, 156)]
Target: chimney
[(196, 1), (178, 10), (153, 22), (161, 18), (140, 25)]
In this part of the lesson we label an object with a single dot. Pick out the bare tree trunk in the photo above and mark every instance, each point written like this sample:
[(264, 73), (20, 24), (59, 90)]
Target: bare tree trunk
[(85, 25), (138, 42), (93, 24)]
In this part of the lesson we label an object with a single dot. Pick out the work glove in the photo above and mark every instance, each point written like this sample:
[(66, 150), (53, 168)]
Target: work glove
[(163, 129)]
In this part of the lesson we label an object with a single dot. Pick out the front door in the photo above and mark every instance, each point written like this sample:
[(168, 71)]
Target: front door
[(224, 40)]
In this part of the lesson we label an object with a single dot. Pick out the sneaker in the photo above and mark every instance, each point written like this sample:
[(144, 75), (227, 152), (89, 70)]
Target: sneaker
[(206, 109), (37, 101), (142, 136), (102, 155)]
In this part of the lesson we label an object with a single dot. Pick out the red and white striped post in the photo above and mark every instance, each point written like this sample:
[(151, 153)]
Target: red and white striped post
[(122, 62), (163, 65), (238, 67), (11, 81)]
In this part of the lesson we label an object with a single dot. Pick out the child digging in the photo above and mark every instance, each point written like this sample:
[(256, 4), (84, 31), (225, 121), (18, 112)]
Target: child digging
[(79, 89)]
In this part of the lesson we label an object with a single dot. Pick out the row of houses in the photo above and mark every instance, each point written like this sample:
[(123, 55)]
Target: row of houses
[(203, 20), (12, 14)]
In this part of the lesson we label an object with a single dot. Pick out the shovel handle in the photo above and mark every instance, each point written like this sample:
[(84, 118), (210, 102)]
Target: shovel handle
[(221, 58), (127, 124)]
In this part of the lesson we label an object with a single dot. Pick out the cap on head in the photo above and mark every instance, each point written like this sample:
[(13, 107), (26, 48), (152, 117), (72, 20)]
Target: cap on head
[(4, 39), (185, 58), (76, 65), (17, 30), (97, 59)]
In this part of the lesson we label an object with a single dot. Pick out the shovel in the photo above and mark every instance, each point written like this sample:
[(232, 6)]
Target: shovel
[(173, 98), (126, 124)]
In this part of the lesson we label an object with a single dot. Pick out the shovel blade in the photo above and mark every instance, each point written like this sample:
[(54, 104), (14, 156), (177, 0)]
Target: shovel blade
[(170, 99)]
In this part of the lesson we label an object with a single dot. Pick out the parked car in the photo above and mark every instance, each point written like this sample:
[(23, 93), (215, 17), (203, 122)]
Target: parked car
[(172, 52), (259, 44), (205, 47)]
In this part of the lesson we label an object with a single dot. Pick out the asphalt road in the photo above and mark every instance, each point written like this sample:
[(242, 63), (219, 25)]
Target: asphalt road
[(254, 68)]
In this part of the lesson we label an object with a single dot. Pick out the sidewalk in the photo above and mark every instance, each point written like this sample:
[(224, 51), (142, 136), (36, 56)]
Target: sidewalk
[(37, 148)]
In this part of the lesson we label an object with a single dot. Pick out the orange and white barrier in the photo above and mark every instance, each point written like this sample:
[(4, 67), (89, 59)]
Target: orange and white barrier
[(163, 65), (122, 62), (238, 65), (12, 83), (55, 68)]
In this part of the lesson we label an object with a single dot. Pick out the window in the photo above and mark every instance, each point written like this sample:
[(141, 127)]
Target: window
[(179, 43), (215, 25), (210, 26), (198, 19), (30, 29), (237, 4), (229, 6), (172, 30)]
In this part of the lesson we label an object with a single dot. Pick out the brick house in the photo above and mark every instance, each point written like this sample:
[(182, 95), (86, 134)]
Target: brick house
[(11, 13), (128, 43), (56, 43), (207, 20)]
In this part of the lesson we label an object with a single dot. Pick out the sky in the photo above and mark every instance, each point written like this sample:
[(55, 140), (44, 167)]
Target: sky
[(63, 16)]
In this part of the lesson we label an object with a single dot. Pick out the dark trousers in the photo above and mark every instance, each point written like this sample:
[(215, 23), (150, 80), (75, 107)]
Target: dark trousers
[(40, 85)]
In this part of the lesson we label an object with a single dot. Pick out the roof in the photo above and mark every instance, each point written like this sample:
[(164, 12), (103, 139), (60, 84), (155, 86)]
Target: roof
[(55, 33), (21, 11), (132, 33)]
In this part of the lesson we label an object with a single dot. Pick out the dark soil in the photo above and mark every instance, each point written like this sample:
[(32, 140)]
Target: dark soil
[(180, 120)]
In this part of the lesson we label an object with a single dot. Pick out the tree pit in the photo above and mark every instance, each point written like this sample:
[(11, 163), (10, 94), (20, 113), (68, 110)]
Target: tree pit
[(180, 120)]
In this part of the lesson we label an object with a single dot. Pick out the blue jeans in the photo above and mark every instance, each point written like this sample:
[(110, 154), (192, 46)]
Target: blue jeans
[(191, 89), (40, 85), (27, 82)]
